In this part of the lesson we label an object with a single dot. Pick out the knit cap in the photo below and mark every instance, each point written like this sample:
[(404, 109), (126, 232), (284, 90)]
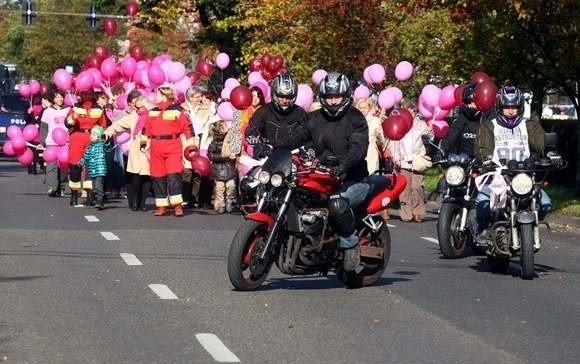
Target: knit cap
[(97, 130)]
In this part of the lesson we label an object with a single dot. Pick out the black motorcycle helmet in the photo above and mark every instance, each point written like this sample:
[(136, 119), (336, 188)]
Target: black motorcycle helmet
[(335, 84), (509, 96), (468, 98), (284, 85)]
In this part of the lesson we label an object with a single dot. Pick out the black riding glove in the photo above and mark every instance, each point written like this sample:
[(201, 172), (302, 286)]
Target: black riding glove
[(338, 172)]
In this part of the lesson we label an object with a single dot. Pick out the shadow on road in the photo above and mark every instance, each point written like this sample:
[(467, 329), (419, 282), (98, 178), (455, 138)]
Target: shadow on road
[(20, 278), (314, 282)]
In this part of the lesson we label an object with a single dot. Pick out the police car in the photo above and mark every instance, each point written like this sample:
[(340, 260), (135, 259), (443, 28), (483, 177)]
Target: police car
[(12, 112)]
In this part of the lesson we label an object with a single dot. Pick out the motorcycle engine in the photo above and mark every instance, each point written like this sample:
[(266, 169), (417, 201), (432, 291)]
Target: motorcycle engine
[(313, 225)]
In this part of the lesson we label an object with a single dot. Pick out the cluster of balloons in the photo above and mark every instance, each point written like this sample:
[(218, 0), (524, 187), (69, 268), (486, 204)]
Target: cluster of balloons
[(375, 74), (16, 145), (110, 24), (34, 87), (269, 66)]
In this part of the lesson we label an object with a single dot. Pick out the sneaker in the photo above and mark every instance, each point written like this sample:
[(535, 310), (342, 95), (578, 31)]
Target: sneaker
[(351, 258), (159, 211), (178, 211)]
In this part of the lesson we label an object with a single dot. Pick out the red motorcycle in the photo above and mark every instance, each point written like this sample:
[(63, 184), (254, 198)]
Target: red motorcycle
[(291, 225)]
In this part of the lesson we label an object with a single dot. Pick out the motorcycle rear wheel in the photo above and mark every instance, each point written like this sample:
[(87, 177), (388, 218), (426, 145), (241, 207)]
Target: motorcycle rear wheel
[(242, 254), (373, 268), (451, 241), (527, 252)]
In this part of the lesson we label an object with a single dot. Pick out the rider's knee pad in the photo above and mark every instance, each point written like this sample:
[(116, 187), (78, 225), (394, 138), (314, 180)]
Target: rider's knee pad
[(341, 215)]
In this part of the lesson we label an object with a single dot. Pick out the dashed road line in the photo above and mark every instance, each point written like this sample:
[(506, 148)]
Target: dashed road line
[(92, 218), (109, 236), (163, 292), (216, 348), (433, 240), (130, 259)]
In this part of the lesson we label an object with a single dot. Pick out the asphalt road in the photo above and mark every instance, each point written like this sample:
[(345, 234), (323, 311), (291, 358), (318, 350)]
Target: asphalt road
[(116, 286)]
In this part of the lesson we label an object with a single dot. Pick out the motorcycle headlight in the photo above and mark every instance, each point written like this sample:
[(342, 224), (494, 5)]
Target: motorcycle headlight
[(454, 176), (264, 177), (276, 180), (522, 184)]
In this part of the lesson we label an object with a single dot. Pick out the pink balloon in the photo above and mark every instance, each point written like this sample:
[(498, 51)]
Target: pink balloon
[(318, 76), (8, 149), (254, 76), (109, 68), (231, 83), (97, 76), (367, 76), (19, 145), (125, 147), (431, 95), (222, 61), (158, 60), (128, 66), (182, 85), (50, 154), (60, 136), (440, 128), (142, 64), (376, 73), (427, 114), (121, 101), (26, 157), (225, 111), (304, 97), (175, 72), (30, 132), (13, 132), (122, 137), (396, 92), (24, 90), (226, 92), (34, 87), (403, 71), (84, 81), (440, 114), (386, 100), (62, 154), (447, 97), (361, 92), (156, 74), (62, 79), (69, 99)]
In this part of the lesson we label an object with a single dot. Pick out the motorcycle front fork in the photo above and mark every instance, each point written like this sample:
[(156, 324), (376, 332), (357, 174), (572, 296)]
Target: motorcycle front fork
[(515, 235), (279, 220)]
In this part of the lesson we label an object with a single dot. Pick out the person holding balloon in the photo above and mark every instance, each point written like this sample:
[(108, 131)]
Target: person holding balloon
[(190, 180), (377, 141), (130, 125), (271, 124), (80, 120), (32, 117), (163, 128), (410, 157), (55, 136)]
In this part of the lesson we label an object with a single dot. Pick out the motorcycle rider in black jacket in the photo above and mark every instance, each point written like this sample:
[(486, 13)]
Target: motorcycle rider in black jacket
[(338, 132), (271, 124)]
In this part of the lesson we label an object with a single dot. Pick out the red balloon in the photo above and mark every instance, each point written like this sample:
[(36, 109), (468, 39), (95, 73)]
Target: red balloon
[(45, 88), (101, 52), (255, 65), (272, 66), (458, 94), (406, 115), (137, 52), (131, 8), (279, 60), (266, 74), (241, 97), (479, 77), (484, 95), (395, 127), (193, 77), (110, 26), (190, 152), (266, 59), (93, 62), (204, 67), (201, 165)]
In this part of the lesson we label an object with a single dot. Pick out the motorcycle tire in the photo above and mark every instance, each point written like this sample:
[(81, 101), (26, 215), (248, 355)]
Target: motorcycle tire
[(449, 219), (240, 256), (498, 265), (527, 252), (373, 269)]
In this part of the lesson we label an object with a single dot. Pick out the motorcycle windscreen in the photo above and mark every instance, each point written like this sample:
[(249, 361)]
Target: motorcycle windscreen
[(279, 161)]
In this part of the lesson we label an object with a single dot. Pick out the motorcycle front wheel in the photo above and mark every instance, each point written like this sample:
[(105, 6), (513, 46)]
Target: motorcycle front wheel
[(243, 257), (527, 252), (452, 242), (373, 268)]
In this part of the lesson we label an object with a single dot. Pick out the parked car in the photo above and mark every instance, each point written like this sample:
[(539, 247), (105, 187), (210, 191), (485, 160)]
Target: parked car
[(14, 114)]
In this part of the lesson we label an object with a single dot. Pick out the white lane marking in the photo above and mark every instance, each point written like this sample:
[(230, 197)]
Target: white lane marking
[(390, 225), (433, 240), (216, 348), (109, 236), (163, 291), (130, 259), (92, 218)]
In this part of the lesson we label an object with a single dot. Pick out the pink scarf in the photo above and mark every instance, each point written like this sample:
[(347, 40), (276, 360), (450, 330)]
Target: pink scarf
[(143, 113)]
